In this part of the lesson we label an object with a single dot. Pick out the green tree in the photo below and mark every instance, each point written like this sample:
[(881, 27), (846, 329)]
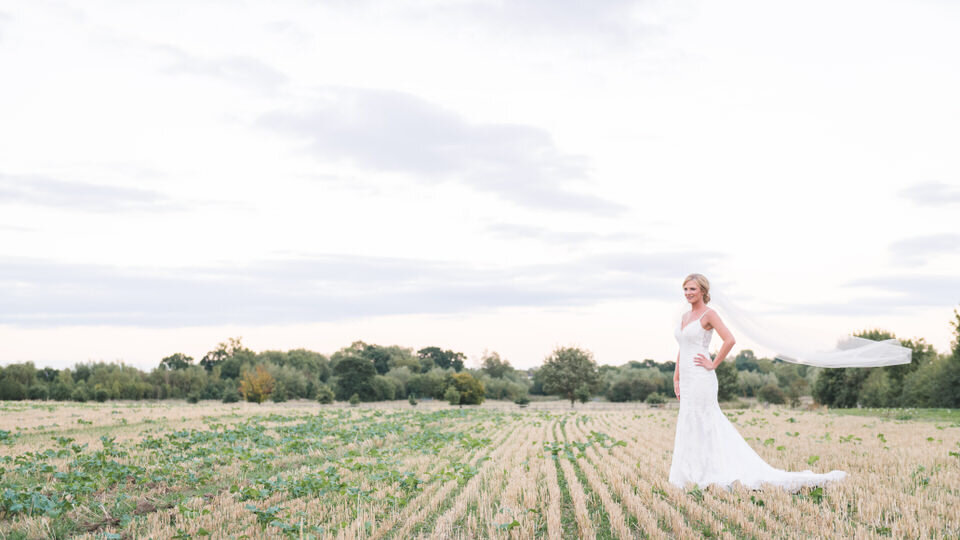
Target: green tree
[(746, 361), (727, 381), (355, 376), (279, 394), (12, 390), (62, 388), (566, 370), (443, 358), (876, 390), (470, 389), (772, 394), (380, 357), (37, 392), (844, 387), (494, 366), (384, 388), (325, 394), (452, 396), (430, 384), (177, 361), (945, 387), (24, 373), (631, 388), (231, 356), (796, 390)]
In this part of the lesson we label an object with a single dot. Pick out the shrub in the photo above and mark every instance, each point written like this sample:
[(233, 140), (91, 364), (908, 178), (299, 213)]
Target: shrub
[(101, 395), (636, 388), (749, 383), (230, 395), (38, 392), (522, 401), (193, 398), (772, 393), (452, 396), (876, 390), (582, 393), (324, 394), (354, 400), (619, 392), (655, 399), (470, 390), (384, 388), (256, 385), (79, 394), (12, 390), (59, 391), (796, 390), (279, 394), (412, 400)]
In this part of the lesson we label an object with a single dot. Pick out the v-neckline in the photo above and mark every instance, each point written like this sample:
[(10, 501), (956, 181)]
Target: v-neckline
[(684, 326)]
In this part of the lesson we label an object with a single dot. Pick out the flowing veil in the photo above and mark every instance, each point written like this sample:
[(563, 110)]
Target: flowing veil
[(849, 351)]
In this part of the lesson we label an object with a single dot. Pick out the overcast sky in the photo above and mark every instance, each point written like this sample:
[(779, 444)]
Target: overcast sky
[(479, 175)]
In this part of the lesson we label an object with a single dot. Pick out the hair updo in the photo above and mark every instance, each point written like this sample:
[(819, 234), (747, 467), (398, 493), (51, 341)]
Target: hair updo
[(703, 283)]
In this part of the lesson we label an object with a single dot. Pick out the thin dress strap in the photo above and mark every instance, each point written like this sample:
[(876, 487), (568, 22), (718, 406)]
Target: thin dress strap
[(702, 314)]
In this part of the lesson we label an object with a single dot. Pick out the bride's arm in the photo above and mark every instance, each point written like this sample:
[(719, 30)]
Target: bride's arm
[(713, 320), (676, 376), (728, 340)]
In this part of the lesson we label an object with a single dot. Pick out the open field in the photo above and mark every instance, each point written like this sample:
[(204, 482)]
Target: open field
[(302, 470)]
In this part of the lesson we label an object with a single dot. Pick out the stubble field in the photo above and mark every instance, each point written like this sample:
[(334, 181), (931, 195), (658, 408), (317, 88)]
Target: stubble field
[(302, 470)]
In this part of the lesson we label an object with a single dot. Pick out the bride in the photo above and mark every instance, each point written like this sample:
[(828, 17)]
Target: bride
[(707, 448)]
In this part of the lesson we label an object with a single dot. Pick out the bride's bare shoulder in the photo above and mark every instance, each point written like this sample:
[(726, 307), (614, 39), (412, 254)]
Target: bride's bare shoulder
[(711, 319)]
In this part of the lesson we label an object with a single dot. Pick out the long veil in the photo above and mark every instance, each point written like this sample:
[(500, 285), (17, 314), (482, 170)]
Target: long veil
[(849, 351)]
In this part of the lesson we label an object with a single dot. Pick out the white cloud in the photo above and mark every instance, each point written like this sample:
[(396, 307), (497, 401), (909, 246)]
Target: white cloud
[(337, 287), (915, 251), (82, 196), (932, 194), (243, 71), (397, 132)]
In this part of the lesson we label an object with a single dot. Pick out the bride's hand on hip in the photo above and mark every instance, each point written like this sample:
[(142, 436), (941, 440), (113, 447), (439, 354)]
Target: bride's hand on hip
[(704, 361)]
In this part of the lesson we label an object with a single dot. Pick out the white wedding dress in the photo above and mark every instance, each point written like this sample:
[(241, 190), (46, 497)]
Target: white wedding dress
[(707, 448)]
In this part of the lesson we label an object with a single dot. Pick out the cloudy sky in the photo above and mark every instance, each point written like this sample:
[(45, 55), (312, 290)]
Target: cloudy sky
[(474, 174)]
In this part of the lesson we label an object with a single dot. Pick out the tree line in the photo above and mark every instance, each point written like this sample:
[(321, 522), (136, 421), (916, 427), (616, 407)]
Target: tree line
[(370, 372)]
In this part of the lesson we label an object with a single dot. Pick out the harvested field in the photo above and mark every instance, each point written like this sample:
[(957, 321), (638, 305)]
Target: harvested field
[(303, 470)]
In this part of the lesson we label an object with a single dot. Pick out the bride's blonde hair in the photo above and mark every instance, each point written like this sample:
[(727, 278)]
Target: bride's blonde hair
[(703, 283)]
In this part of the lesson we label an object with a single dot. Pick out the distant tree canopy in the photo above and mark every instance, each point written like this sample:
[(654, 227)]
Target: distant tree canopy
[(378, 372), (891, 386), (443, 359), (177, 361), (494, 366)]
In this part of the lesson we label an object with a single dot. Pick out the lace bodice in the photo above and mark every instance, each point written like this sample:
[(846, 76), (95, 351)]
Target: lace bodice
[(693, 333)]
